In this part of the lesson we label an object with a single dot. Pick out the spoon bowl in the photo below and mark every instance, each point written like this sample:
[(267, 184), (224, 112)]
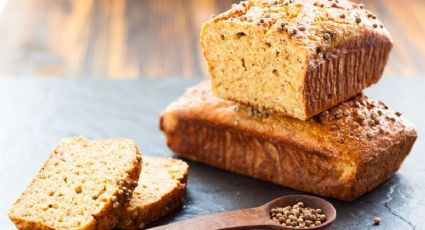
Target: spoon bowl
[(255, 218), (309, 201)]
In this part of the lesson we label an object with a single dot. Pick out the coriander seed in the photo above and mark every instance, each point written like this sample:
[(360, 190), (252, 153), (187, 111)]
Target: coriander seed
[(358, 20), (377, 220), (326, 36)]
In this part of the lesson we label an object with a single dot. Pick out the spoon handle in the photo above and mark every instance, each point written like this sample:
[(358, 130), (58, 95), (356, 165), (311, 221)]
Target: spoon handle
[(239, 219)]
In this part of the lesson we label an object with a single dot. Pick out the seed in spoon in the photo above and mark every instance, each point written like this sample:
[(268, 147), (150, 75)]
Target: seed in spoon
[(298, 216)]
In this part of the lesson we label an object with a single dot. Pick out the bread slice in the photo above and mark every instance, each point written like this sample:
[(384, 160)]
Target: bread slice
[(342, 153), (161, 189), (83, 185), (297, 57)]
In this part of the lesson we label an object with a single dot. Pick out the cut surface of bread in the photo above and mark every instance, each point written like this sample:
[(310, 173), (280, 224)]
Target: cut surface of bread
[(161, 189), (84, 184), (297, 57), (343, 152)]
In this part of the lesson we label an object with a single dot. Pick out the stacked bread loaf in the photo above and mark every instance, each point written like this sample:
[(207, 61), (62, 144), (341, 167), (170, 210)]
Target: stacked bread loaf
[(284, 103)]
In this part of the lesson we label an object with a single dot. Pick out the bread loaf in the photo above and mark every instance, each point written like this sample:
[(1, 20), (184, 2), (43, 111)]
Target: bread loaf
[(83, 185), (161, 188), (297, 57), (343, 152)]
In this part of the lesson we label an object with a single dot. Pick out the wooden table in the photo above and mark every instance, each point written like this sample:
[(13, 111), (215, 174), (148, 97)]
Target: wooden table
[(152, 38)]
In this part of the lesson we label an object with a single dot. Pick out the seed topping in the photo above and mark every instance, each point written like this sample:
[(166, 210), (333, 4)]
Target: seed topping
[(293, 31), (361, 116), (358, 20), (253, 112), (371, 16), (326, 36), (338, 114)]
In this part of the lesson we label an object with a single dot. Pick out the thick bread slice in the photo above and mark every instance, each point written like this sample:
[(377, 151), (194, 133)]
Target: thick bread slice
[(161, 189), (342, 153), (297, 57), (83, 185)]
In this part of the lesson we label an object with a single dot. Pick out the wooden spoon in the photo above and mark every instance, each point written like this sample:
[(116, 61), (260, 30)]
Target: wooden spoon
[(255, 218)]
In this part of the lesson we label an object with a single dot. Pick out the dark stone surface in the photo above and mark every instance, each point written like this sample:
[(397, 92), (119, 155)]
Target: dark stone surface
[(36, 113)]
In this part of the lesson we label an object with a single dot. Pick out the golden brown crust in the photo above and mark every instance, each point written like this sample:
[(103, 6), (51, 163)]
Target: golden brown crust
[(345, 73), (311, 19), (107, 216), (342, 153), (163, 184), (155, 211)]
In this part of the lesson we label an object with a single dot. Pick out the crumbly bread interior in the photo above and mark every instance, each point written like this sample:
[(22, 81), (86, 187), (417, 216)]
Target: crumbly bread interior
[(249, 64), (161, 187), (76, 183)]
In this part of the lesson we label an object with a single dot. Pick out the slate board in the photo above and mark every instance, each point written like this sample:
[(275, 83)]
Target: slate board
[(36, 113)]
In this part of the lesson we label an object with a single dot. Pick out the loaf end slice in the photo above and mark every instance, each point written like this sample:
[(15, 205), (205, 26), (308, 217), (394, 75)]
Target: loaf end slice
[(161, 189), (84, 184), (343, 152), (297, 57)]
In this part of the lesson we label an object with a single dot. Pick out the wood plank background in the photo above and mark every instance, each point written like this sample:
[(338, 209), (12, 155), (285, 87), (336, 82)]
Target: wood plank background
[(151, 38)]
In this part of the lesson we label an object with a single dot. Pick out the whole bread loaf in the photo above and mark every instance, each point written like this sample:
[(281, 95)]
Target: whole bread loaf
[(343, 152), (297, 57), (162, 186), (83, 185)]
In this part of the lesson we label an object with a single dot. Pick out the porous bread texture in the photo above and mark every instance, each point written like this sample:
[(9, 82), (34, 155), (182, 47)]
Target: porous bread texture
[(343, 152), (296, 57), (161, 189), (84, 184)]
